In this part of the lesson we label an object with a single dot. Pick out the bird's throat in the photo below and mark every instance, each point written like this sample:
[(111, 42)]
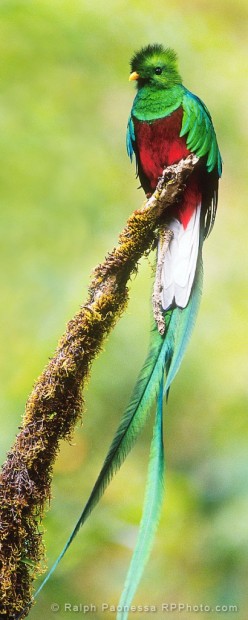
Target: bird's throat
[(151, 103)]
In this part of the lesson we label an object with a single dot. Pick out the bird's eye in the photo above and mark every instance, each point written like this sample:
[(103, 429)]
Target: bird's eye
[(158, 70)]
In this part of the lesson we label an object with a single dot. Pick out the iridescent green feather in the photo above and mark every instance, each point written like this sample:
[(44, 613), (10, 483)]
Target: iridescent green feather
[(198, 128), (151, 512)]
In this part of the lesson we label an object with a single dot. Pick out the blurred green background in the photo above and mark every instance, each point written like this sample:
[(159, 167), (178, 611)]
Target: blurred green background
[(67, 189)]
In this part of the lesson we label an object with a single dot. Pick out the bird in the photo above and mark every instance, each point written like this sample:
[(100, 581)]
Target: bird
[(167, 123)]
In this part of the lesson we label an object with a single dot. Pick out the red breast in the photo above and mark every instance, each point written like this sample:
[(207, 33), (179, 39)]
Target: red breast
[(158, 145)]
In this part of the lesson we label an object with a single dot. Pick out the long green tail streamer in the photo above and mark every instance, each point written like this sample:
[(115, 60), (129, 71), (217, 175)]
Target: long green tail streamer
[(151, 512)]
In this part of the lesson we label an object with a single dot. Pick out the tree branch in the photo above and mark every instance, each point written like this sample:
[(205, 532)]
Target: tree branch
[(55, 403)]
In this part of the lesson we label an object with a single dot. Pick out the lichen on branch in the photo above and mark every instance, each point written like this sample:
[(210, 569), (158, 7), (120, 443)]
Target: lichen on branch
[(56, 401)]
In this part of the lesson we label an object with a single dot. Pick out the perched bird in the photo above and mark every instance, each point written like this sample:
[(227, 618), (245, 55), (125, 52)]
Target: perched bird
[(166, 124)]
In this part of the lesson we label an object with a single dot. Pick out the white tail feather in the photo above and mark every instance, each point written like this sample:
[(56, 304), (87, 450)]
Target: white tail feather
[(180, 262)]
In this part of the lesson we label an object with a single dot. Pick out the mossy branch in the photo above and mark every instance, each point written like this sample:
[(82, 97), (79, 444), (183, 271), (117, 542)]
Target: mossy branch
[(55, 403)]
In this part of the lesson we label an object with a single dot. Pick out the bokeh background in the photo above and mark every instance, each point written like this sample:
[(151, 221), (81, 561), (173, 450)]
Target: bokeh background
[(66, 190)]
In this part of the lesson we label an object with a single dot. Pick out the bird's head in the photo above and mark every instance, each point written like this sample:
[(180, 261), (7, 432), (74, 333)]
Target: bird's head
[(156, 66)]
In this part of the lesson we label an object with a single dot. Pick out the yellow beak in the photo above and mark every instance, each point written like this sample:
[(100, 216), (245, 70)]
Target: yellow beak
[(133, 76)]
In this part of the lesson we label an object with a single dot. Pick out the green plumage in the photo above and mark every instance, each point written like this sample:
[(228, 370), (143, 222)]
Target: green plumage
[(151, 511), (198, 127)]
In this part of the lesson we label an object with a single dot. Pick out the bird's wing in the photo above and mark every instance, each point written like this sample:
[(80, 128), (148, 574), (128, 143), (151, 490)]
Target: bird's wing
[(130, 138), (198, 127)]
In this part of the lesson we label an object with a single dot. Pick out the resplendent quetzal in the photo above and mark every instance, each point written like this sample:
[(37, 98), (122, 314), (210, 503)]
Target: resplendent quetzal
[(167, 123)]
